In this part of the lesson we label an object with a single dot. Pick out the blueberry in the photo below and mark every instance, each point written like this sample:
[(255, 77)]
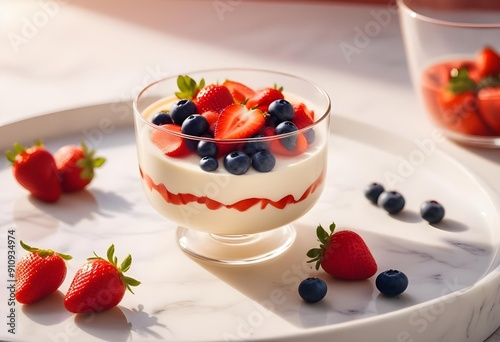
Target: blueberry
[(207, 149), (209, 164), (282, 110), (391, 201), (253, 147), (287, 127), (391, 282), (373, 191), (310, 135), (312, 289), (161, 118), (181, 110), (195, 124), (237, 162), (432, 211), (263, 161)]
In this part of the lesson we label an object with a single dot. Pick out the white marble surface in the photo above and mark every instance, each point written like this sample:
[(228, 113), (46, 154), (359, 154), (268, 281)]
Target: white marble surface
[(57, 55)]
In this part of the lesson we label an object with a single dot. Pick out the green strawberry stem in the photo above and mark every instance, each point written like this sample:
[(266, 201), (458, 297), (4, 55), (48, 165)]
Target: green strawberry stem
[(323, 237), (89, 162), (44, 252), (122, 268), (489, 81), (18, 149), (188, 87)]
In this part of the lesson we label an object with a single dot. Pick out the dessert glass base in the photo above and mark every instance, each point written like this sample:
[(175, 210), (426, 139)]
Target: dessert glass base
[(227, 217), (235, 249)]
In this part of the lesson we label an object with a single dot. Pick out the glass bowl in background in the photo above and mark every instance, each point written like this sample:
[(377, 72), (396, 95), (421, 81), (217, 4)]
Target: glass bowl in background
[(223, 217), (452, 51)]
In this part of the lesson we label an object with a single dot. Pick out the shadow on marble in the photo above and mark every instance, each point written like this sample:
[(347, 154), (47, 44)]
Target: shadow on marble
[(434, 270), (48, 311)]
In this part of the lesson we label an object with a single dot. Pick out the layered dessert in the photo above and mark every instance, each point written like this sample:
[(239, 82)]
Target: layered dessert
[(266, 152), (462, 95)]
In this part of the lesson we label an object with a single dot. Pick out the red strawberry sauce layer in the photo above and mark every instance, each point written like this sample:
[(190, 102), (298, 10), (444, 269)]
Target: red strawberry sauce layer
[(242, 205)]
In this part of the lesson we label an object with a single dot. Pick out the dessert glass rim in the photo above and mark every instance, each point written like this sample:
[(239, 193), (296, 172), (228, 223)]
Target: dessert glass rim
[(402, 5), (324, 113)]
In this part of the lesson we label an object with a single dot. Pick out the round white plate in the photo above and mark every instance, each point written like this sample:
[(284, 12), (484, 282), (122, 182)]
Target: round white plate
[(452, 266)]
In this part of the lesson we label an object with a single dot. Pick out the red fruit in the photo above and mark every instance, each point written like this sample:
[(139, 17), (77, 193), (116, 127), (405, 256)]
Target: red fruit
[(238, 122), (263, 98), (170, 144), (99, 284), (39, 274), (302, 116), (76, 165), (211, 117), (276, 147), (459, 113), (488, 63), (241, 93), (488, 100), (343, 254), (34, 169), (213, 97)]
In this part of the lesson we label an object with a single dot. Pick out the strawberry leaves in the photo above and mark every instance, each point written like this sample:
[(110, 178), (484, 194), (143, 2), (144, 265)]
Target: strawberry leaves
[(460, 81), (323, 238), (188, 88)]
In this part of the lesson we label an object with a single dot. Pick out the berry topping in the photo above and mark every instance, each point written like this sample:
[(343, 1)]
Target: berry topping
[(195, 124), (373, 191), (263, 98), (263, 161), (302, 116), (237, 122), (252, 147), (391, 201), (237, 162), (432, 211), (287, 127), (213, 97), (282, 110), (207, 149), (161, 118), (181, 110), (240, 92), (391, 283), (343, 254), (170, 144), (312, 289), (188, 88), (209, 164)]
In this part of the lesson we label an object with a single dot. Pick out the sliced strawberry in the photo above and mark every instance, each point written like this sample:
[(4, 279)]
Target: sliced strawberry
[(488, 63), (170, 144), (301, 145), (302, 116), (241, 93), (238, 122), (211, 117), (459, 113), (263, 98), (213, 97), (489, 107)]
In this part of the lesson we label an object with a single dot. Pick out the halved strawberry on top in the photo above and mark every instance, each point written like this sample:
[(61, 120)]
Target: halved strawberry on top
[(237, 122), (170, 144), (241, 93), (263, 98)]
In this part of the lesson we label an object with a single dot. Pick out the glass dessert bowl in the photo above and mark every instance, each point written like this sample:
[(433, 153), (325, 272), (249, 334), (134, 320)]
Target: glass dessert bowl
[(232, 173), (452, 49)]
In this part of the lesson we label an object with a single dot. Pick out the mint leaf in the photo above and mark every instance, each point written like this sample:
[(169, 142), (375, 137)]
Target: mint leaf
[(460, 81)]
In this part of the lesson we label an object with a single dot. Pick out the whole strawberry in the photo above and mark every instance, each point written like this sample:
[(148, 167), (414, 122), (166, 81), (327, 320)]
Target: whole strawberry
[(76, 165), (99, 284), (343, 254), (39, 273), (34, 169), (214, 97)]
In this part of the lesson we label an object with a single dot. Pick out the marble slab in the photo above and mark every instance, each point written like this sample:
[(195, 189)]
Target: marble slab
[(452, 266)]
